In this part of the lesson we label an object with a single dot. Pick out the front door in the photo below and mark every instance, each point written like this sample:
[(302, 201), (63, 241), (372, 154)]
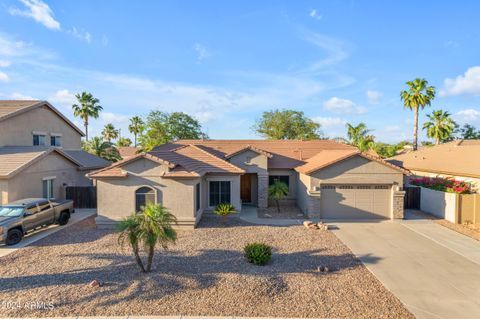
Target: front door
[(246, 188)]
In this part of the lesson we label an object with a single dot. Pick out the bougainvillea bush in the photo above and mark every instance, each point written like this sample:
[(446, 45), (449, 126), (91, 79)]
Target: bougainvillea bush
[(448, 185)]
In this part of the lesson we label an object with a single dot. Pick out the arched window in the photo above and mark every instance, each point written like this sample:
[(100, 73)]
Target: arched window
[(144, 195)]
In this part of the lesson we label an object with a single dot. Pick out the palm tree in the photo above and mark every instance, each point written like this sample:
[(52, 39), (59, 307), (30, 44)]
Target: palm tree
[(98, 147), (359, 137), (152, 226), (440, 127), (124, 141), (136, 127), (88, 107), (277, 191), (419, 95), (109, 133)]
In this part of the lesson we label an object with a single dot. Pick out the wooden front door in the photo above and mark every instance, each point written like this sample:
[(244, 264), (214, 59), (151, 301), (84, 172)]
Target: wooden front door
[(246, 188)]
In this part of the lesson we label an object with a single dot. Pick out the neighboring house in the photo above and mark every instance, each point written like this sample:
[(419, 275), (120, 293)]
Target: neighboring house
[(326, 179), (127, 151), (457, 159), (40, 152)]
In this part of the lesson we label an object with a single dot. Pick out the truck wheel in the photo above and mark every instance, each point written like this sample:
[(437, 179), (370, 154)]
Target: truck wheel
[(64, 218), (14, 236)]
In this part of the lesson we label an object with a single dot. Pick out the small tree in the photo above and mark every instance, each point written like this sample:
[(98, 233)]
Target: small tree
[(277, 191), (152, 226), (224, 210)]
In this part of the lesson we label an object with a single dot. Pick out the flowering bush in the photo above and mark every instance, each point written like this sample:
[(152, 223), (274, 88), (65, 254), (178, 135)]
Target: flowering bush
[(448, 185)]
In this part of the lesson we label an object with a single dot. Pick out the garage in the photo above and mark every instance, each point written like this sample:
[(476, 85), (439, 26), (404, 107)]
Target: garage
[(343, 201)]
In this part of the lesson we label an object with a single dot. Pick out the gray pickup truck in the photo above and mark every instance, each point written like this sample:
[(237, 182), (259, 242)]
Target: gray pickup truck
[(19, 217)]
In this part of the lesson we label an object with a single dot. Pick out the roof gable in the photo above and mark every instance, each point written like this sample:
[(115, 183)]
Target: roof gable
[(11, 108)]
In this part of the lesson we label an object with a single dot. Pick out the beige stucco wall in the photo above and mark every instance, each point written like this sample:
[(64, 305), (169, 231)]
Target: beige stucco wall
[(17, 131), (258, 162), (356, 170), (234, 188), (3, 191), (293, 179), (28, 183), (116, 197)]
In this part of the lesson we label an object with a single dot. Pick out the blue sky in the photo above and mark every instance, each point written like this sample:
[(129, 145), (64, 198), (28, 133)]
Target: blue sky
[(225, 62)]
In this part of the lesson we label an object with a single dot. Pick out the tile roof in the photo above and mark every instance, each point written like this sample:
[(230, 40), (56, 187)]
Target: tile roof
[(11, 108), (87, 160), (248, 148), (13, 159), (127, 151), (329, 157), (286, 154), (184, 161), (461, 158)]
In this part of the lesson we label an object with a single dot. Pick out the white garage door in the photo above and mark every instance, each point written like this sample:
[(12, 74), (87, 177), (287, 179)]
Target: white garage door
[(355, 201)]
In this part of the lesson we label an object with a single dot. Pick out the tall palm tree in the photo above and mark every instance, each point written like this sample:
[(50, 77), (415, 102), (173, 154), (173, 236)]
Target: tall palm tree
[(359, 137), (98, 147), (88, 107), (110, 133), (418, 96), (152, 226), (136, 127), (440, 126)]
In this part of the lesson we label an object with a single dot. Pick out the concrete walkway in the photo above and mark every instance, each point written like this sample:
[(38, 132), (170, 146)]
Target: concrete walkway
[(433, 270), (79, 215)]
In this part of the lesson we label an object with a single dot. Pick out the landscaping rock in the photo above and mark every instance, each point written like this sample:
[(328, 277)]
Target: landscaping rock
[(94, 284), (322, 226), (308, 223)]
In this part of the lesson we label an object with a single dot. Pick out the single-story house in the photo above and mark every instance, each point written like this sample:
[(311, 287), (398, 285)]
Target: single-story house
[(40, 152), (458, 159), (325, 178)]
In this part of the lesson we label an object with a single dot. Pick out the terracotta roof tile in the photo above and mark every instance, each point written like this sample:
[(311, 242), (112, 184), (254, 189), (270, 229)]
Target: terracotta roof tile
[(115, 172), (286, 154), (459, 158), (127, 151)]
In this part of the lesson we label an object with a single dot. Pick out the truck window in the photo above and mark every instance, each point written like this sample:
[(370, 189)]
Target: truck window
[(43, 206), (31, 209)]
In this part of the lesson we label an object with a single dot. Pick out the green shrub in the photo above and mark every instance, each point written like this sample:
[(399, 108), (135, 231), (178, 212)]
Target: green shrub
[(258, 253), (224, 210)]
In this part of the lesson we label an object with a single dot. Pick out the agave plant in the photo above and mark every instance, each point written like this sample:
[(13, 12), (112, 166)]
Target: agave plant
[(224, 210)]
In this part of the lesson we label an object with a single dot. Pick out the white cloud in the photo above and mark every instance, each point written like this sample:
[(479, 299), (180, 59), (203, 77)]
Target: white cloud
[(468, 115), (329, 121), (38, 11), (20, 96), (314, 14), (373, 96), (335, 50), (468, 83), (5, 63), (202, 52), (82, 35), (63, 97), (4, 77), (343, 106)]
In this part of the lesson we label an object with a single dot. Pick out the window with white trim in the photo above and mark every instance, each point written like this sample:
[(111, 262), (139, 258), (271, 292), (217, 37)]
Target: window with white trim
[(47, 185), (56, 140), (39, 140)]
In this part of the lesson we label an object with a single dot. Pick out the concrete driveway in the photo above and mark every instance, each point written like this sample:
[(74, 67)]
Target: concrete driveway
[(433, 270), (79, 215)]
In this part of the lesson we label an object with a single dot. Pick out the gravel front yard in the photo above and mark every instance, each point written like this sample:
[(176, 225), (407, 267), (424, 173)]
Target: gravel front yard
[(203, 274)]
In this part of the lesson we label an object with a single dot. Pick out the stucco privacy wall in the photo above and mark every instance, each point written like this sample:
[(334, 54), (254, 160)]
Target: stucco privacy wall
[(28, 183), (440, 204), (17, 131), (252, 162), (354, 170), (116, 197), (475, 181)]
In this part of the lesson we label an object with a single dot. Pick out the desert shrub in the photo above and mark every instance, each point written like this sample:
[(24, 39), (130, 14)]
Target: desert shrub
[(448, 185), (258, 253)]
